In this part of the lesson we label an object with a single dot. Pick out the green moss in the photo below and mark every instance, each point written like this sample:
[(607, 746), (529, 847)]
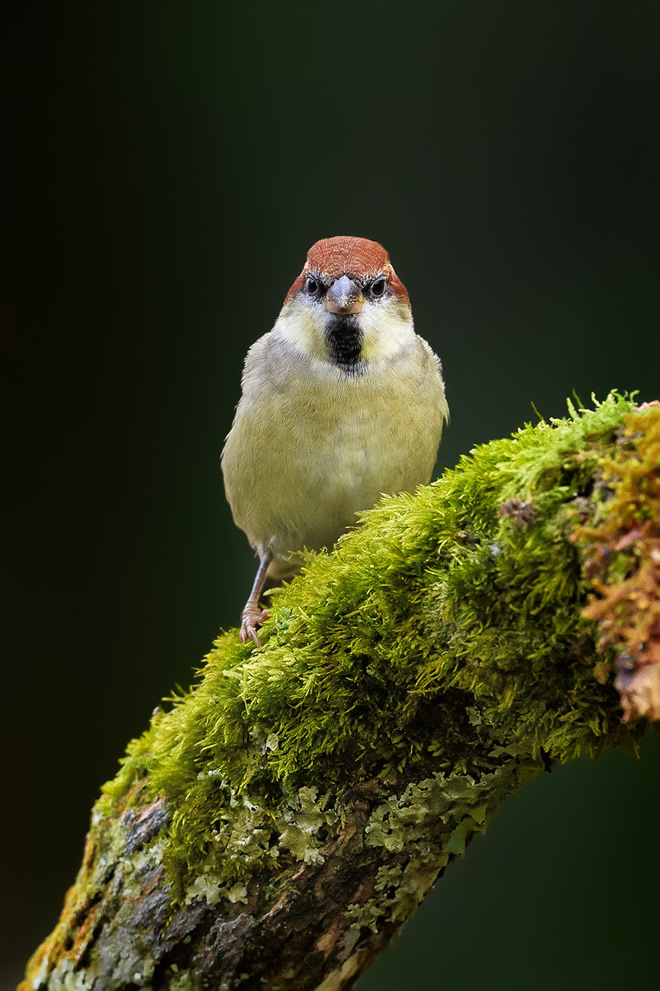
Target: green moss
[(445, 625)]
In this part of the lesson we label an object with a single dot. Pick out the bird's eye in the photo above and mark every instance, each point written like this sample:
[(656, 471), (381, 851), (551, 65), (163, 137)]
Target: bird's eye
[(378, 287), (311, 285)]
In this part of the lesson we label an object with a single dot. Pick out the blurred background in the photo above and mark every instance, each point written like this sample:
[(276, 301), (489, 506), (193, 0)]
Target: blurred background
[(170, 166)]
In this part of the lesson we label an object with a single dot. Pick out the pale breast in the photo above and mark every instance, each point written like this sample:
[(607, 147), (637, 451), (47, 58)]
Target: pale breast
[(307, 451)]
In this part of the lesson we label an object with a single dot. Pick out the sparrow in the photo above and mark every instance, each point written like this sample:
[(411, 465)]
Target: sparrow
[(342, 402)]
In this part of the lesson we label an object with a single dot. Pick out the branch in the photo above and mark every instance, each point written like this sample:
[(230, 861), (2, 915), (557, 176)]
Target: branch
[(279, 823)]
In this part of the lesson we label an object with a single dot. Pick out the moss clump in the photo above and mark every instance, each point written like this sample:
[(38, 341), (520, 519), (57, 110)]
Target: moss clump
[(445, 624), (622, 562)]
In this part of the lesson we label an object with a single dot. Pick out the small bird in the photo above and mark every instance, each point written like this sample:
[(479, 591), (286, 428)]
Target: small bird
[(341, 403)]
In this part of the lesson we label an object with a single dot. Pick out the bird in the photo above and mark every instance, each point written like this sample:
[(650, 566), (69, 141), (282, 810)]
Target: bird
[(341, 403)]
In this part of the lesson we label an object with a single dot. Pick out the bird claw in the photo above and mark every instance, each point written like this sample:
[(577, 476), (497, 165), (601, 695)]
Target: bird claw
[(253, 616)]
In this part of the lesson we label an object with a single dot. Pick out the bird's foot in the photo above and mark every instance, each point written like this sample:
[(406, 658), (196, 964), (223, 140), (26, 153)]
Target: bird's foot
[(253, 616)]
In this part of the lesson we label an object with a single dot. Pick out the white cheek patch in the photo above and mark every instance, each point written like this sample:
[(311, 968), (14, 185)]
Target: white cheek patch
[(302, 326), (386, 328)]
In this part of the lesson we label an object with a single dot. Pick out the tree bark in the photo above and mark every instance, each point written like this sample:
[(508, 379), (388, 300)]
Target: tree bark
[(276, 827)]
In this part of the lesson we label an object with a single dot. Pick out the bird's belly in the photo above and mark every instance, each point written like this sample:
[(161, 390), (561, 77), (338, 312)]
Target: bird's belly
[(319, 460), (350, 468), (357, 461)]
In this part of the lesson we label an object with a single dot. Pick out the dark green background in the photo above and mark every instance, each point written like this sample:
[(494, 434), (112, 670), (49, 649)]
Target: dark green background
[(170, 166)]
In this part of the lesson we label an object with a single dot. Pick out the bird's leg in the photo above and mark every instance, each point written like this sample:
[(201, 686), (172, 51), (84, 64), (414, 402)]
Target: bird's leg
[(253, 614)]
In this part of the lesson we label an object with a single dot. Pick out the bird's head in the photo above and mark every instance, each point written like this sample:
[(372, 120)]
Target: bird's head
[(347, 307)]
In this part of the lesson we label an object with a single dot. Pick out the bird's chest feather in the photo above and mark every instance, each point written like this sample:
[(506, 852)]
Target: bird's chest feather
[(347, 449), (348, 437), (307, 451)]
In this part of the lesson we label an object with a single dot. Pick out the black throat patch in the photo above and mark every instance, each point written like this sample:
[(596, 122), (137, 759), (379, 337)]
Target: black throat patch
[(344, 339)]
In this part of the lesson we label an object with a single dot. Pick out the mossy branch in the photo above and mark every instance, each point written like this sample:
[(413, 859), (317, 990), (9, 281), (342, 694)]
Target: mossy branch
[(280, 822)]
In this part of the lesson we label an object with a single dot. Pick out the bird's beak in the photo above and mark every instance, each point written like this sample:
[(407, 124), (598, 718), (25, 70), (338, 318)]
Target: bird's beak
[(343, 297)]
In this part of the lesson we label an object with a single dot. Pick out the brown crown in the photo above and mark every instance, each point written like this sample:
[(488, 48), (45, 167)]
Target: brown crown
[(356, 257)]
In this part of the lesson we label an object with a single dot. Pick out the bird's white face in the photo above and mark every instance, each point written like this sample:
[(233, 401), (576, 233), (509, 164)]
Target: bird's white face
[(352, 321)]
